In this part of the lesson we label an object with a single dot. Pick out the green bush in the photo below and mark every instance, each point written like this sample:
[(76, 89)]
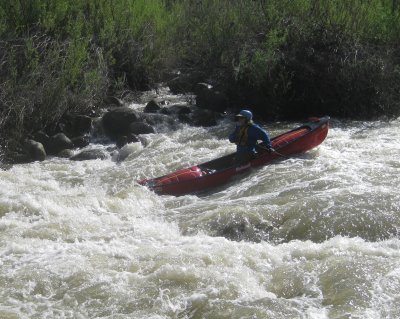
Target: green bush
[(290, 59), (283, 58), (61, 56)]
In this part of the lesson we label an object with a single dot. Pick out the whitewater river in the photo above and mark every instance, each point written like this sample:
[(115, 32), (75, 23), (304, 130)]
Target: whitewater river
[(314, 236)]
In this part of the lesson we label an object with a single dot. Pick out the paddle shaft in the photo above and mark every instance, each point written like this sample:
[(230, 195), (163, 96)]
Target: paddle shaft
[(272, 150)]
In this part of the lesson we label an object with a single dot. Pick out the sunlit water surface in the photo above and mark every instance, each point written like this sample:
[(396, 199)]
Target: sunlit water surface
[(313, 236)]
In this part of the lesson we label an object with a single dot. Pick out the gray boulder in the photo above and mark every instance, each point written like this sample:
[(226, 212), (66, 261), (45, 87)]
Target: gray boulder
[(81, 141), (117, 121), (76, 124), (41, 137), (65, 153), (157, 119), (123, 140), (57, 143), (89, 155), (152, 107), (205, 118), (179, 109), (35, 150), (141, 128)]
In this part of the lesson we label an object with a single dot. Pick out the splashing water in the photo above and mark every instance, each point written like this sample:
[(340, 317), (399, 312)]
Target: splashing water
[(314, 236)]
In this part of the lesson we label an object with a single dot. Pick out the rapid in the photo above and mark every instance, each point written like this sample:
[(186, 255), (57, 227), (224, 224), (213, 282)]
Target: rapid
[(313, 236)]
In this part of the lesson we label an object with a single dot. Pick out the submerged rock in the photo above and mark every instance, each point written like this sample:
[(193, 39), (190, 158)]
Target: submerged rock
[(126, 151), (141, 128), (157, 119), (152, 107), (89, 155), (65, 153), (126, 139)]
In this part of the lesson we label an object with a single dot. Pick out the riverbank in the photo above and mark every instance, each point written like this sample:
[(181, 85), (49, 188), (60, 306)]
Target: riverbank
[(282, 59), (75, 137)]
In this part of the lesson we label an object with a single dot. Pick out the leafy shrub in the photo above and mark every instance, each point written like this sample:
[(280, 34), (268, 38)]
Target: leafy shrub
[(283, 58)]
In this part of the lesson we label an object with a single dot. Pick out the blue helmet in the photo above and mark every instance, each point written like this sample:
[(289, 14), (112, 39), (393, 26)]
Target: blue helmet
[(246, 114)]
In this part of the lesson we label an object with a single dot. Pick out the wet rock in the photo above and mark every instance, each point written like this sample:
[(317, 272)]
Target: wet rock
[(111, 149), (145, 141), (165, 111), (57, 143), (183, 109), (184, 113), (180, 84), (241, 229), (34, 150), (141, 128), (123, 140), (117, 122), (204, 118), (235, 231), (156, 119), (179, 109), (81, 141), (98, 128), (185, 118), (89, 155), (152, 107), (125, 151), (41, 137), (75, 125), (65, 154)]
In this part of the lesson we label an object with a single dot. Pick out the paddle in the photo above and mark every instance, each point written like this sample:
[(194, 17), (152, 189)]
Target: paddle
[(272, 150)]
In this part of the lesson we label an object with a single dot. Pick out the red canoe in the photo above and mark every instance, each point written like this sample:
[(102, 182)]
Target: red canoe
[(219, 171)]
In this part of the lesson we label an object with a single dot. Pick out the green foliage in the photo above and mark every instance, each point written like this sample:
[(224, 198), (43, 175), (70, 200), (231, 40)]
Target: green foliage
[(60, 56), (64, 55), (287, 58)]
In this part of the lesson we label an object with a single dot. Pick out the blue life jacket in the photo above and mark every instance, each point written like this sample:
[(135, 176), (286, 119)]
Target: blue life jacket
[(246, 138)]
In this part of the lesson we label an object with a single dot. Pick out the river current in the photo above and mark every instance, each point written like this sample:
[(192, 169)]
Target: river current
[(313, 236)]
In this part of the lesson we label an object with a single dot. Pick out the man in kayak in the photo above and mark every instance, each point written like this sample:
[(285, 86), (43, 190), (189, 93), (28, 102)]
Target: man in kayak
[(246, 135)]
